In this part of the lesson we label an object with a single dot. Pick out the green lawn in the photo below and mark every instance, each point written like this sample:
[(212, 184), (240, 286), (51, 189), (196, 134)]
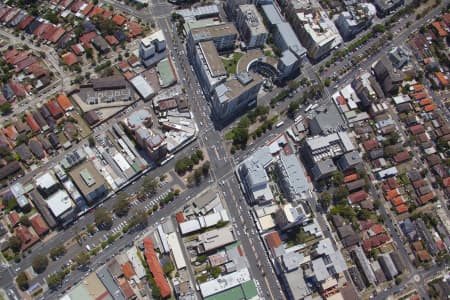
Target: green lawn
[(231, 62)]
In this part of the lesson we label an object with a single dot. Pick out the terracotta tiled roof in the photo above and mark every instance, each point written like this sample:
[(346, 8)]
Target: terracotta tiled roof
[(155, 268), (119, 20), (69, 58), (401, 157), (14, 218), (128, 270), (39, 225), (357, 197), (350, 178), (32, 123), (180, 217), (273, 240), (402, 208), (64, 102), (370, 145)]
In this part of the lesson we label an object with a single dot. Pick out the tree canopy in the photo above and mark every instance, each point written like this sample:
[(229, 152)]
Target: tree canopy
[(39, 263), (121, 205), (103, 218)]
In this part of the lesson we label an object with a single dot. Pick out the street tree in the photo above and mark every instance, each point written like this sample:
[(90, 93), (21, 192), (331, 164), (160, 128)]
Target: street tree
[(198, 176), (39, 263), (57, 251), (325, 199), (121, 205), (139, 218), (205, 168), (150, 185), (54, 280), (82, 258), (103, 218), (22, 281)]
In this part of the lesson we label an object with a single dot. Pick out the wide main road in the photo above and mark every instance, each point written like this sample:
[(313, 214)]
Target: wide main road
[(222, 168)]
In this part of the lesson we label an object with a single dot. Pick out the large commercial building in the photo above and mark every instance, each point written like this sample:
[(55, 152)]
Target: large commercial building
[(292, 178), (313, 26), (236, 95), (355, 19), (215, 238), (223, 35), (208, 66), (138, 124), (89, 181), (254, 177), (283, 35), (251, 26)]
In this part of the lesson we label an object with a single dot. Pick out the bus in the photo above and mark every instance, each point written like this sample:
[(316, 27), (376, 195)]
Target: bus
[(308, 108), (298, 119), (279, 124), (314, 106)]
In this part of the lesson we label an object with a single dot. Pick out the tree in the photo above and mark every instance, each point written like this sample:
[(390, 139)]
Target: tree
[(215, 271), (89, 53), (121, 205), (150, 185), (139, 218), (24, 220), (5, 108), (340, 193), (337, 178), (240, 136), (199, 154), (198, 176), (103, 218), (57, 251), (82, 258), (91, 141), (168, 267), (194, 158), (325, 199), (22, 281), (14, 243), (205, 168), (39, 263), (54, 280)]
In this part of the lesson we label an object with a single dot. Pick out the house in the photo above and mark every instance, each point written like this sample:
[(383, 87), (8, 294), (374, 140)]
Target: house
[(13, 218), (355, 185), (69, 58), (24, 154), (100, 44), (36, 148), (39, 225), (402, 157), (54, 109), (26, 237), (10, 132), (64, 102), (119, 20), (91, 117), (111, 39), (441, 79), (357, 197)]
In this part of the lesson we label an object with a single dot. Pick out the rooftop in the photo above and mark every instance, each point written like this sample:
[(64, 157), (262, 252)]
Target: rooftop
[(213, 61), (232, 88), (253, 18), (59, 203), (86, 177), (214, 31), (225, 282)]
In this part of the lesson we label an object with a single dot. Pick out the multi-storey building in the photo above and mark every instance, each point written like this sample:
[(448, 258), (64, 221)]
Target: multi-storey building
[(251, 27)]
